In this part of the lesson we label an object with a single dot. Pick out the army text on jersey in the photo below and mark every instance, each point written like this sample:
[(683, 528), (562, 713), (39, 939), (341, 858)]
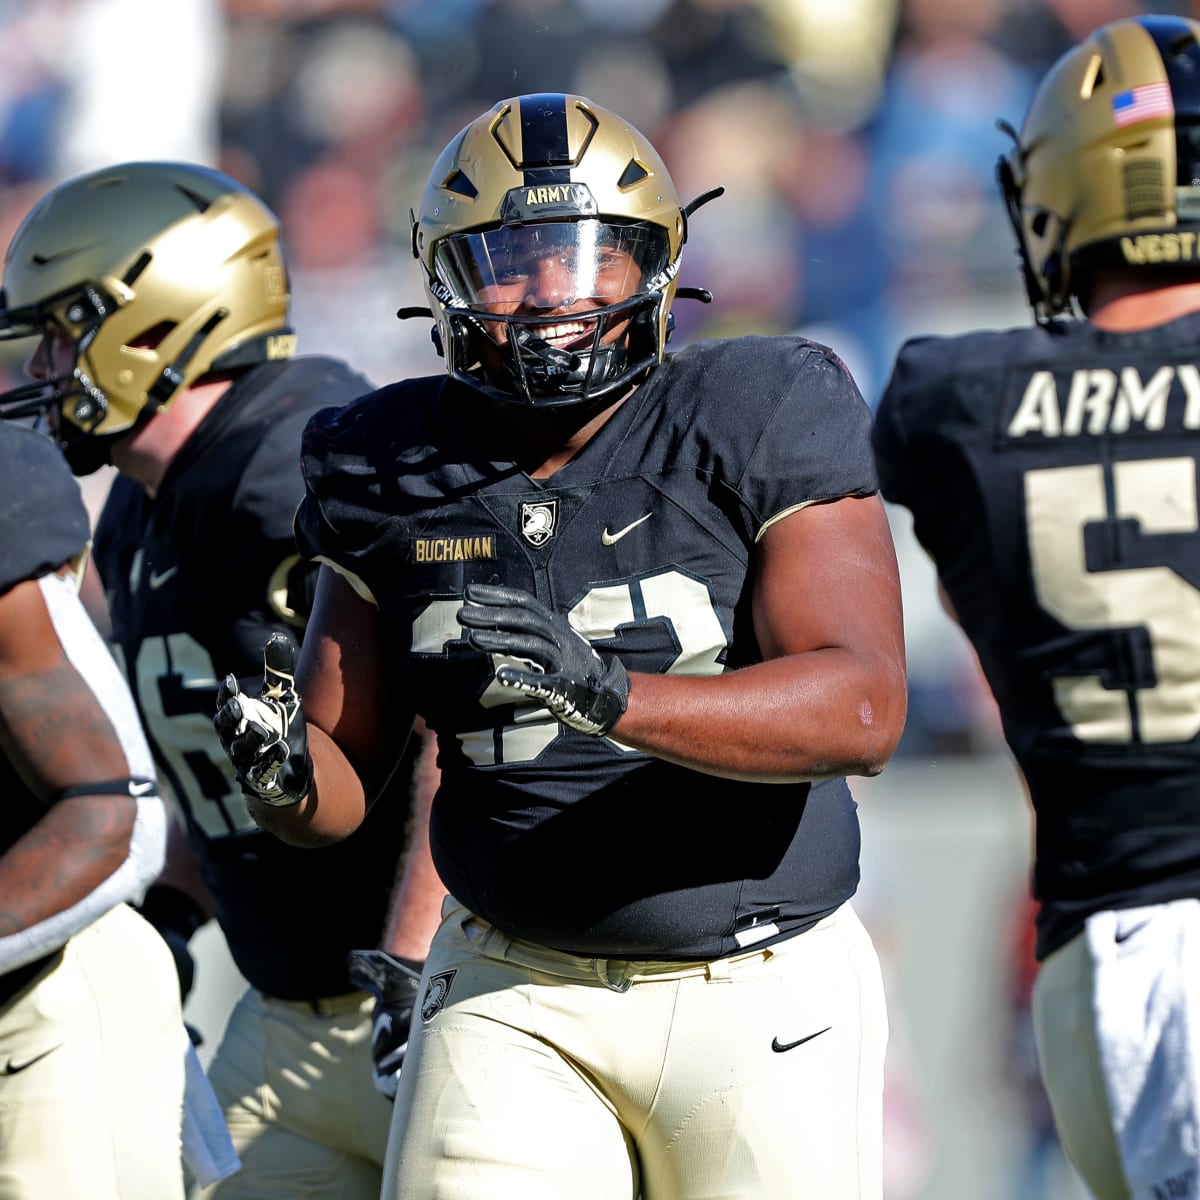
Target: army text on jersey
[(1052, 477)]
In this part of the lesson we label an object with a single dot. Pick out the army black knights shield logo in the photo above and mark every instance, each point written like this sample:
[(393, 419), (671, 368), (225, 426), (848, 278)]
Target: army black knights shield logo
[(539, 521)]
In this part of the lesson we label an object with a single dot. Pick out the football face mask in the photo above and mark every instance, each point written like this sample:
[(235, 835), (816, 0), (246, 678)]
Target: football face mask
[(62, 398), (554, 313)]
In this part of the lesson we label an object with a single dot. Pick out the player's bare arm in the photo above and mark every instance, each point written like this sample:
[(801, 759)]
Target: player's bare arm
[(55, 731), (830, 699), (416, 903), (353, 741)]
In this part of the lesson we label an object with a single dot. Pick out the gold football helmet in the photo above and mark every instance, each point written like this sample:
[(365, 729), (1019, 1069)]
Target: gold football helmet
[(158, 273), (548, 203), (1106, 168)]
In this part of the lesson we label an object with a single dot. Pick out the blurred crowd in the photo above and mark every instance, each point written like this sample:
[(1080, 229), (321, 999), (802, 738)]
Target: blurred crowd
[(855, 140)]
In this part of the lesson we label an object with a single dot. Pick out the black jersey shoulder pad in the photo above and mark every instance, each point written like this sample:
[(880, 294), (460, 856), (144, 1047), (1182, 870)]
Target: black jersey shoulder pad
[(43, 522)]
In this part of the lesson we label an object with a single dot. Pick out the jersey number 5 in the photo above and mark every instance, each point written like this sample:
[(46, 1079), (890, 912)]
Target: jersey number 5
[(1160, 495)]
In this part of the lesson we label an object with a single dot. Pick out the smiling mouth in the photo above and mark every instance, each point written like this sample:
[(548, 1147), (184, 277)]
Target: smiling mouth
[(567, 334)]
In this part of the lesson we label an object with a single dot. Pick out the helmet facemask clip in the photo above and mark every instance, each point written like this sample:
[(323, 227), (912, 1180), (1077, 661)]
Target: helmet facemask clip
[(1010, 189)]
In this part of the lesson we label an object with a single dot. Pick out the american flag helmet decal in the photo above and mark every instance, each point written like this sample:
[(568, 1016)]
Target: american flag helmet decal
[(1143, 102)]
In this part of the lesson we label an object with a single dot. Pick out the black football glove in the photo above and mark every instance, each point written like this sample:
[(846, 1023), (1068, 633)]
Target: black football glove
[(581, 689), (266, 737), (394, 983)]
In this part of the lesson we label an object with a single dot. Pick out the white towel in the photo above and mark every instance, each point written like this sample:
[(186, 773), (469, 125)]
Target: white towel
[(1147, 1010), (208, 1149)]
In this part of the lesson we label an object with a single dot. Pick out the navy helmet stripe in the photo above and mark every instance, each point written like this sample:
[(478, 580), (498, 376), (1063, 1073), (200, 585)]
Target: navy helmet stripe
[(1181, 60), (545, 147)]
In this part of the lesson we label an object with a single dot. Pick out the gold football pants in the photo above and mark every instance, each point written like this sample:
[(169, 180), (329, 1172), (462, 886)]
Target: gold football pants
[(295, 1082), (538, 1075), (92, 1071)]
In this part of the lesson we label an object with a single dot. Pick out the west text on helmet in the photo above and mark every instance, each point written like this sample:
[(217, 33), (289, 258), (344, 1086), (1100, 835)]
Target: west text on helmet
[(281, 345), (1148, 248), (1104, 400)]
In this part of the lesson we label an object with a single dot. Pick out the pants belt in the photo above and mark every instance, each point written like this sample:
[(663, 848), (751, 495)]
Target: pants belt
[(323, 1006), (617, 974)]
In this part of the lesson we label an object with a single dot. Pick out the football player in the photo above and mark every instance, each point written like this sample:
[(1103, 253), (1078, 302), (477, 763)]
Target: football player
[(160, 296), (91, 1033), (649, 605), (1051, 474)]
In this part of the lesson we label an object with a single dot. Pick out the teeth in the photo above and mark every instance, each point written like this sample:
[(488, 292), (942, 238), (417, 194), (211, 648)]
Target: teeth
[(552, 333)]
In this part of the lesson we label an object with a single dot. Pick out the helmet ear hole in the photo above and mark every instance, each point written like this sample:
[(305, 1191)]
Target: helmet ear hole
[(1052, 269), (152, 338)]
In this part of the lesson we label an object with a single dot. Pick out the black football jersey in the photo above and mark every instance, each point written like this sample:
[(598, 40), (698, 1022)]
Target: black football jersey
[(197, 579), (645, 540), (1051, 474), (43, 524)]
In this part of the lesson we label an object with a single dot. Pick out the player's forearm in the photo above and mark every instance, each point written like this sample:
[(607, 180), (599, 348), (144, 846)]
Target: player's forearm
[(334, 807), (416, 907), (812, 716), (86, 854)]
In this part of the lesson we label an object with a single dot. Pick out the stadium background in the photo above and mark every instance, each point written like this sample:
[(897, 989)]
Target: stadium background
[(855, 141)]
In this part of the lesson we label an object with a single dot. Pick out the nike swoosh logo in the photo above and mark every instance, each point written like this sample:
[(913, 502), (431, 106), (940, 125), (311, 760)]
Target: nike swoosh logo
[(156, 580), (1125, 934), (11, 1068), (779, 1047), (43, 260), (611, 539)]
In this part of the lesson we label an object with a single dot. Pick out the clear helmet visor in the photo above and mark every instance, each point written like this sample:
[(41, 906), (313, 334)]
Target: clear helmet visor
[(552, 264), (556, 312)]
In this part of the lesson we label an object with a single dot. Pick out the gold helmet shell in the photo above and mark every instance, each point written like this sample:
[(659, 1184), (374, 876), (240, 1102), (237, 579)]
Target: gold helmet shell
[(531, 161), (1106, 168), (160, 273)]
